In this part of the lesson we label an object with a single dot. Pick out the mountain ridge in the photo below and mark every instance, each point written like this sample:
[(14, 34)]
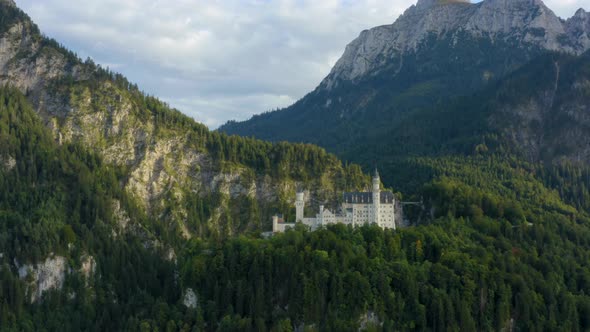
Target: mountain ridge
[(431, 55)]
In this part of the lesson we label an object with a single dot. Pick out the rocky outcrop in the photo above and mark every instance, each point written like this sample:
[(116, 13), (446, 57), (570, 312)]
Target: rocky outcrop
[(370, 320), (51, 274), (44, 276), (190, 299), (28, 63), (7, 162), (529, 23), (121, 217), (88, 267), (578, 27)]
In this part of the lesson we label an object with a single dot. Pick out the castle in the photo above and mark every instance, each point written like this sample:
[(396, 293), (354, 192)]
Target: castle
[(358, 208)]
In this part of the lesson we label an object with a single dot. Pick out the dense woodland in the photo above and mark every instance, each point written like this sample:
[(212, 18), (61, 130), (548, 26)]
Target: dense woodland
[(500, 243), (503, 248)]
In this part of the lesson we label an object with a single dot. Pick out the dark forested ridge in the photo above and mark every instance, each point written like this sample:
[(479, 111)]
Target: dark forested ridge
[(501, 243), (502, 250)]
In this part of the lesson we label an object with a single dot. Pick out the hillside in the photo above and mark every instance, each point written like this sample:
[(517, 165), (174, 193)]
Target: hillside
[(118, 213), (537, 114), (69, 235), (198, 182), (435, 52), (78, 253)]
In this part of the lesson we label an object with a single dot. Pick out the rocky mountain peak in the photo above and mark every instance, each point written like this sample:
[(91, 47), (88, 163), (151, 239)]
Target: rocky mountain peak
[(581, 13), (580, 16), (578, 28), (525, 23)]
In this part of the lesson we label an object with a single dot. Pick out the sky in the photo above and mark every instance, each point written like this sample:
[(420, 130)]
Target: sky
[(220, 60)]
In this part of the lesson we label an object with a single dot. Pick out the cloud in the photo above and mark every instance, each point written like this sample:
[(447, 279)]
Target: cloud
[(224, 59)]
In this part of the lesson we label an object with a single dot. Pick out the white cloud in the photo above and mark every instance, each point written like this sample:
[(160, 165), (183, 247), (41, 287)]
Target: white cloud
[(224, 59)]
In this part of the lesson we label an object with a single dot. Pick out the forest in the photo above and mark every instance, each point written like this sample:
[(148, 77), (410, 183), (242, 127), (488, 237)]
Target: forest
[(502, 241), (501, 248)]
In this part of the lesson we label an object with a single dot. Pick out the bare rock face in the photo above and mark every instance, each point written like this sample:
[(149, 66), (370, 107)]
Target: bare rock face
[(7, 162), (527, 22), (88, 267), (44, 276), (578, 27), (190, 299), (26, 64)]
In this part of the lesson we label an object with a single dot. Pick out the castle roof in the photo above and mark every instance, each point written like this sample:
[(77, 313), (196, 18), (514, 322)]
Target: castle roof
[(367, 197)]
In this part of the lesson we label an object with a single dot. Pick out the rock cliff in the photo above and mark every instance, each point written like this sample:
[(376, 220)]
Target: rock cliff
[(578, 28), (44, 276)]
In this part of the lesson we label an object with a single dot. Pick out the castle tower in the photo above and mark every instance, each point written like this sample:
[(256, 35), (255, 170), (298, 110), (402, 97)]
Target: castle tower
[(376, 197), (299, 206), (275, 224)]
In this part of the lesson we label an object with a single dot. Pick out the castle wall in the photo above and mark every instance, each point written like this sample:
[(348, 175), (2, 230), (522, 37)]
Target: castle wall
[(283, 227)]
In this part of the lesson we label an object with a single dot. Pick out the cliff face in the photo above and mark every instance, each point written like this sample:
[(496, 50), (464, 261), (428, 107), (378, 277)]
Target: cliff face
[(550, 122), (528, 23), (578, 28), (44, 276)]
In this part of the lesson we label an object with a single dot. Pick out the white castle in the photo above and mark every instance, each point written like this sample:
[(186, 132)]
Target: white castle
[(358, 208)]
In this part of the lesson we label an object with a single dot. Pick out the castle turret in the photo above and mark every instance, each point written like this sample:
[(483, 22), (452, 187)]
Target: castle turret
[(275, 224), (299, 207), (376, 197)]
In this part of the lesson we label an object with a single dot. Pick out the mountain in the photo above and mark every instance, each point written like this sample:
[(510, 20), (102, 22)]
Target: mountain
[(171, 165), (102, 186), (524, 24), (435, 52), (118, 213)]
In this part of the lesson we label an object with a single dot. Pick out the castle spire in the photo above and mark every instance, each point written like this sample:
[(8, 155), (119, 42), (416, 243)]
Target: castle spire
[(376, 198), (376, 181), (376, 174)]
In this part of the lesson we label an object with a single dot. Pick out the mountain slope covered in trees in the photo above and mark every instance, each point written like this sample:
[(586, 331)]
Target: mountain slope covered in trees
[(199, 183), (118, 213), (377, 102), (509, 254), (57, 203)]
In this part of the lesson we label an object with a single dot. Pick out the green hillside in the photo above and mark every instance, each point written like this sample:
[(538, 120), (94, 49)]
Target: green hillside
[(195, 182), (366, 113), (501, 245), (118, 213), (58, 201)]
